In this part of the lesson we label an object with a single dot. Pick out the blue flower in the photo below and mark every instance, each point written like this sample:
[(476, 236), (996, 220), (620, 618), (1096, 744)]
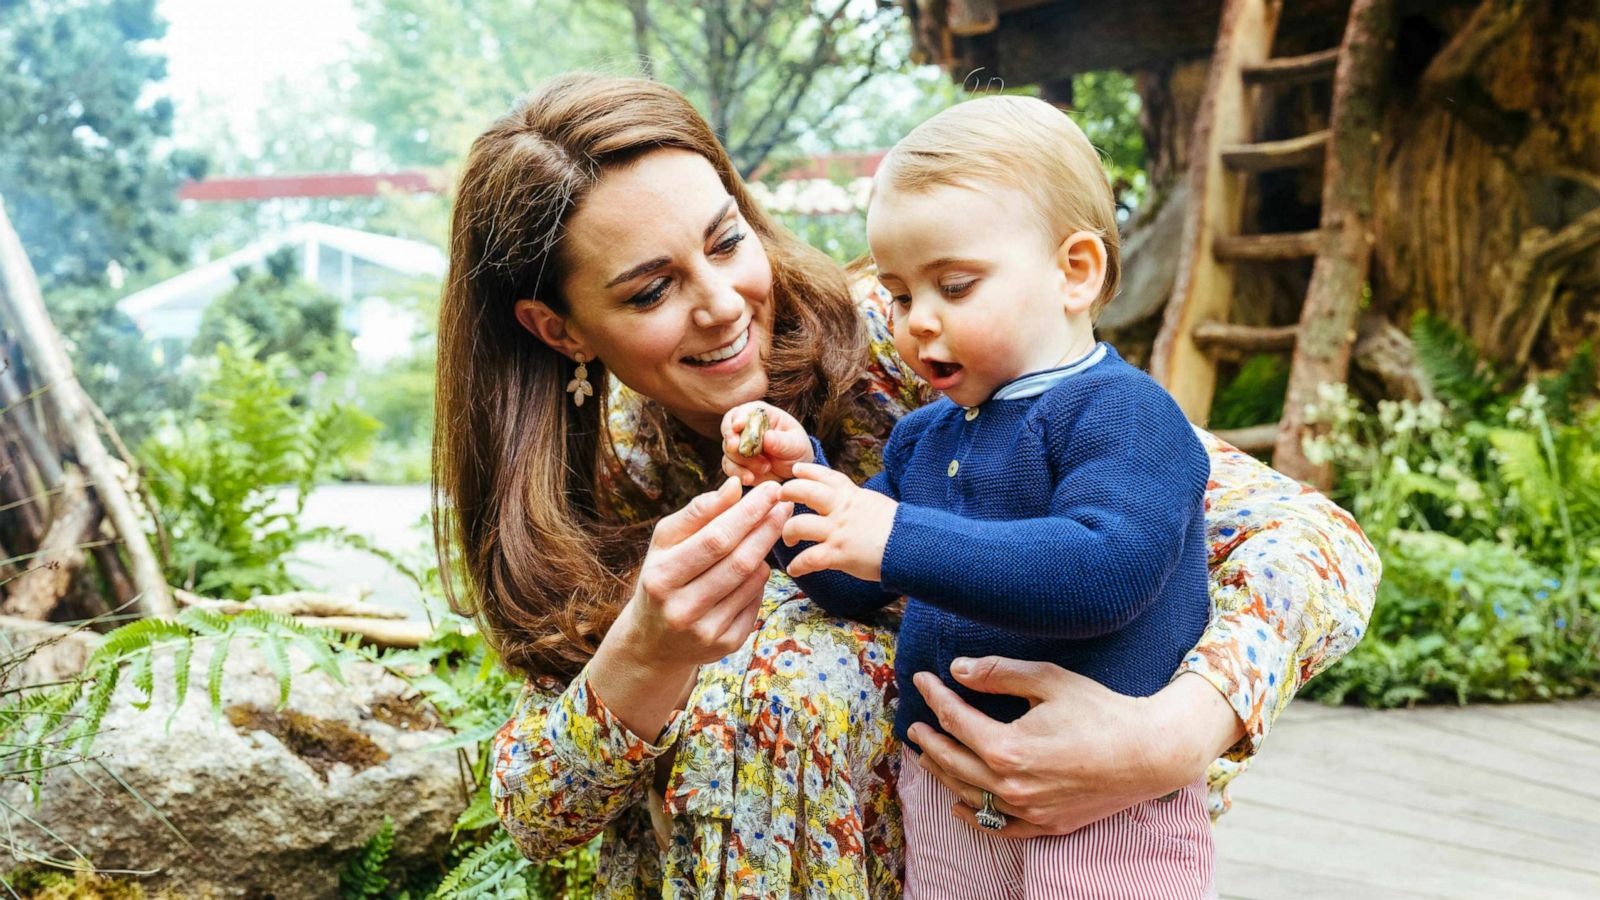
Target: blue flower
[(1499, 611), (1456, 577), (1541, 595), (1552, 583), (1561, 623)]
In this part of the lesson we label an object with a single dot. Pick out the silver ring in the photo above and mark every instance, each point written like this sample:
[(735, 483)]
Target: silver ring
[(989, 817)]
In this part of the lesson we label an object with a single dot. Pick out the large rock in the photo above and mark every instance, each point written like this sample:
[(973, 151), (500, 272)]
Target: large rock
[(269, 802)]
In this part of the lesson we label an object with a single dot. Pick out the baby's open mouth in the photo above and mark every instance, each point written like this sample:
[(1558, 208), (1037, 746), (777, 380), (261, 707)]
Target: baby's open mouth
[(943, 369)]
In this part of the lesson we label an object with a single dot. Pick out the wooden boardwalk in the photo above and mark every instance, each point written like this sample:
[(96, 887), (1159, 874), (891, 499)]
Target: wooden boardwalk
[(1485, 801)]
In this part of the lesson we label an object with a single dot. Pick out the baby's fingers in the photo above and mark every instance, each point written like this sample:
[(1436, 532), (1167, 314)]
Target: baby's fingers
[(806, 528), (812, 559)]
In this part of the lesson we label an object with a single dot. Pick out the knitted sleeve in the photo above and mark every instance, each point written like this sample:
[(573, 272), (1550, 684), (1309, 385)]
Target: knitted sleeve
[(1129, 483)]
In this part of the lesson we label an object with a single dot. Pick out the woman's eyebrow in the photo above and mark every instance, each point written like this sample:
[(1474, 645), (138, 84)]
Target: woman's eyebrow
[(658, 262)]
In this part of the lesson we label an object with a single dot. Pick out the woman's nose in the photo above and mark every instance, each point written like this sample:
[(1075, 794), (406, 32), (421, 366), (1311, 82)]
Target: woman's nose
[(719, 304)]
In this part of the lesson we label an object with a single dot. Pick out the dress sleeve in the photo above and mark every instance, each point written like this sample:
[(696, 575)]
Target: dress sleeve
[(565, 766), (1293, 580)]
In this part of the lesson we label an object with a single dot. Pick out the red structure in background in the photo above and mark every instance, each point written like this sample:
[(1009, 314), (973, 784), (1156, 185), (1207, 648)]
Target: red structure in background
[(423, 181), (329, 184)]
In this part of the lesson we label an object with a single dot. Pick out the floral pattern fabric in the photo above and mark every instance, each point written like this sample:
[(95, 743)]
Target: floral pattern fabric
[(784, 761)]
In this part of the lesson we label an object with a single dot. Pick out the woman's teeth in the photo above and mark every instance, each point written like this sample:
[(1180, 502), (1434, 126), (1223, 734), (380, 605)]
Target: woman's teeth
[(726, 352)]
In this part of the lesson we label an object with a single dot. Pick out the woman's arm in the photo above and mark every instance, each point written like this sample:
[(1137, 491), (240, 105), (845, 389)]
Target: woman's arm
[(569, 761), (1293, 581)]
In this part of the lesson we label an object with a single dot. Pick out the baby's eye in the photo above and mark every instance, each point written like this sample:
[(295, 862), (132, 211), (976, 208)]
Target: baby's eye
[(902, 299), (957, 290)]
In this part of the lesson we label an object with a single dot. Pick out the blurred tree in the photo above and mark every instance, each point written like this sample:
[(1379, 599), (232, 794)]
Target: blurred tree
[(766, 73), (81, 165), (280, 314)]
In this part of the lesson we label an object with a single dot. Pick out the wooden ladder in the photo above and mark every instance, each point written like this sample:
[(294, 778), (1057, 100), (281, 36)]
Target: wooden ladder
[(1224, 157)]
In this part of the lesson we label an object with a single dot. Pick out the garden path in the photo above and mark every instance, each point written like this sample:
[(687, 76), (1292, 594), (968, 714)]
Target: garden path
[(1480, 801)]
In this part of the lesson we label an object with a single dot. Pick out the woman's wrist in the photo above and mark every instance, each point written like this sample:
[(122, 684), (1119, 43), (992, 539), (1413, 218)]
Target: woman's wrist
[(642, 689), (1189, 724)]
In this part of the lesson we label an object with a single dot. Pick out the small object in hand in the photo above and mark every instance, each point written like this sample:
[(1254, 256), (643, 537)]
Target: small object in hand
[(989, 817), (754, 430)]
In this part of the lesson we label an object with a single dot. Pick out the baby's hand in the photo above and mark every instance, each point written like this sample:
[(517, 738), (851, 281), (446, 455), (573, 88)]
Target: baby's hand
[(761, 443), (850, 528)]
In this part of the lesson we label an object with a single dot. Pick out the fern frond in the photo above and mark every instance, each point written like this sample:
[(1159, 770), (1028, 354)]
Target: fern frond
[(135, 636), (1457, 371), (479, 814), (143, 678), (278, 659), (219, 658), (363, 877), (482, 867), (180, 677)]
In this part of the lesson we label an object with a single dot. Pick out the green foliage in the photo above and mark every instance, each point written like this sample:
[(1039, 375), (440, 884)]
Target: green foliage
[(1106, 106), (82, 170), (1486, 511), (363, 877), (217, 475), (132, 381), (1254, 396), (278, 313)]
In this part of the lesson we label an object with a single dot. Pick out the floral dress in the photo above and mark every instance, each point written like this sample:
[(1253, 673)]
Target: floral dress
[(784, 769)]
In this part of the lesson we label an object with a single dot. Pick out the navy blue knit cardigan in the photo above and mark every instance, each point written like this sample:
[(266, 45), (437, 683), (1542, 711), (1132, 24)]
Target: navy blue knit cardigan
[(1066, 527)]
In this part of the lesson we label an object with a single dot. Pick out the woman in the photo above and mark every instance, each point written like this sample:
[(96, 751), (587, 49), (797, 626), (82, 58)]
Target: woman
[(728, 738)]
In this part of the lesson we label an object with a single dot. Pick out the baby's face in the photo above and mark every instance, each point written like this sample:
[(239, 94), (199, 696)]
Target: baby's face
[(978, 296)]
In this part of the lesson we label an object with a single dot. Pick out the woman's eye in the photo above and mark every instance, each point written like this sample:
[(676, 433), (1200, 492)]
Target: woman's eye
[(728, 244), (957, 290), (650, 295)]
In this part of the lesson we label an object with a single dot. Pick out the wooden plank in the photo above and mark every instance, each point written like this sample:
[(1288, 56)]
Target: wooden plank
[(1294, 69), (1203, 290), (1248, 878), (1237, 248), (1255, 439), (1333, 301), (1381, 858), (1290, 153), (1527, 737), (1579, 720), (1243, 339)]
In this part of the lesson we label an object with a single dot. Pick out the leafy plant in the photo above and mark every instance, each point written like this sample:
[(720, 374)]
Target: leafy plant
[(363, 877), (216, 476), (1486, 510)]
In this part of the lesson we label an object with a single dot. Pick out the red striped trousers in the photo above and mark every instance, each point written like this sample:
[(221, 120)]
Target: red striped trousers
[(1156, 849)]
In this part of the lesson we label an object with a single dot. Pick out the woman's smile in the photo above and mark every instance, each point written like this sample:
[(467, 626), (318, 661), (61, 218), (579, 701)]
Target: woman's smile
[(728, 357)]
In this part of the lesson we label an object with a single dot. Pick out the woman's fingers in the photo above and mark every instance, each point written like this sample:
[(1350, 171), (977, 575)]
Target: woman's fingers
[(696, 514), (1015, 827), (957, 768), (744, 620), (715, 590), (698, 553), (1032, 681), (964, 723)]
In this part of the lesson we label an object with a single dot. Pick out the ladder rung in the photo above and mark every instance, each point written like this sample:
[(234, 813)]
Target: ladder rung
[(1299, 151), (1294, 69), (1245, 338), (1255, 439), (1266, 247)]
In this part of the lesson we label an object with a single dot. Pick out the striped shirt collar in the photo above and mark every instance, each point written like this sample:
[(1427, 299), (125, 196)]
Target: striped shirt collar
[(1035, 383)]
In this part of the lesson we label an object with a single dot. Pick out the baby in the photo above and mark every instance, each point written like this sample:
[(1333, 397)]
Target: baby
[(1049, 507)]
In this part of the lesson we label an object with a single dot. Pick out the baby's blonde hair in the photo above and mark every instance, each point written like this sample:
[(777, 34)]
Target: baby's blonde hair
[(1021, 142)]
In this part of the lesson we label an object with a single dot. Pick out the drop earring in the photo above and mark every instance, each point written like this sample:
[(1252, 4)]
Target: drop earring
[(579, 387)]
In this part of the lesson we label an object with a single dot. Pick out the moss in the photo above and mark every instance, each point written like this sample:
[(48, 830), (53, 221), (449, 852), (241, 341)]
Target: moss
[(406, 714), (320, 742)]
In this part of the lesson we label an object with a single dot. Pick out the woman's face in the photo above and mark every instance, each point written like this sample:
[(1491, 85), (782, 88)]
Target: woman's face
[(670, 288)]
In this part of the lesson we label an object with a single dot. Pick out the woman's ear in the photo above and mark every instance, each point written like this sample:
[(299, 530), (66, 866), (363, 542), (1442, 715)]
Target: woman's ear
[(1081, 258), (549, 326)]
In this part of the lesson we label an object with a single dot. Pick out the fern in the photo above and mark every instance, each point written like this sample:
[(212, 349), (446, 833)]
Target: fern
[(1459, 375), (1574, 385), (363, 877), (484, 869), (1254, 396)]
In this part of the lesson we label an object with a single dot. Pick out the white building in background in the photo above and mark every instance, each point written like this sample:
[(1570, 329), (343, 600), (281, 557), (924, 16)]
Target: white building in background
[(362, 269)]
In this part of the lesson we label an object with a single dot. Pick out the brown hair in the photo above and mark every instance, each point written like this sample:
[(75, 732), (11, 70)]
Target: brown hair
[(515, 463), (1027, 144)]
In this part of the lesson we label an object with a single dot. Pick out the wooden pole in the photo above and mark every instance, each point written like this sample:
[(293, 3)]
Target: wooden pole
[(1333, 301), (21, 300)]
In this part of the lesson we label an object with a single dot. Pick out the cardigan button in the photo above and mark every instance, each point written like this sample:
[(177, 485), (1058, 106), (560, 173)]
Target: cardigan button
[(972, 413), (951, 471)]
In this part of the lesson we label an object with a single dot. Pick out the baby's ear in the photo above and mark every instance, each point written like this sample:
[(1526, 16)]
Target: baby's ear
[(1081, 259)]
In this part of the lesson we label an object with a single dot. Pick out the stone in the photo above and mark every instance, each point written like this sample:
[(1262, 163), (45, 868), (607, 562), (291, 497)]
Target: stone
[(255, 800)]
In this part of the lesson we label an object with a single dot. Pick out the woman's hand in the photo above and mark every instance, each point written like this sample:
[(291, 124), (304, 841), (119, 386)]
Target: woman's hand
[(1081, 753), (696, 600), (784, 444)]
